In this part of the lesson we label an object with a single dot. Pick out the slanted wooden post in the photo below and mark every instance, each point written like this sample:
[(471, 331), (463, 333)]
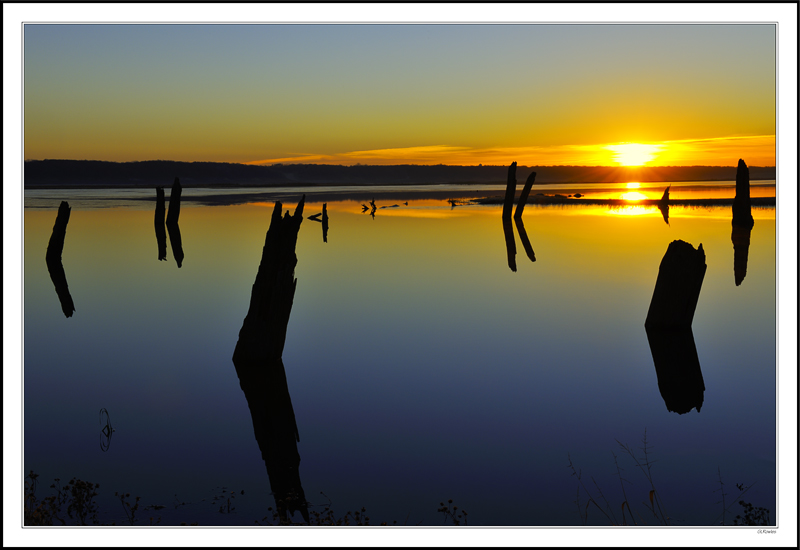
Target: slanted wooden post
[(511, 189), (680, 278), (511, 245), (172, 222), (523, 236), (174, 203), (161, 232), (53, 259), (325, 222), (523, 197)]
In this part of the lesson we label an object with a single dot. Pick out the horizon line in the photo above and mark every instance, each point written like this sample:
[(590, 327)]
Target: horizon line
[(637, 167)]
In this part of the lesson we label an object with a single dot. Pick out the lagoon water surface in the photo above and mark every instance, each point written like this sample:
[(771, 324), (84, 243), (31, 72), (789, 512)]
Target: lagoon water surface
[(420, 367)]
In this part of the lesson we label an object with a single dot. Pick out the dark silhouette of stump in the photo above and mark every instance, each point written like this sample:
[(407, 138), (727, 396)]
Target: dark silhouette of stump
[(161, 231), (175, 242), (523, 197), (740, 236), (53, 259), (663, 205), (174, 202), (511, 189), (172, 222), (742, 215), (324, 222), (680, 379), (680, 278), (511, 245), (258, 359), (523, 236)]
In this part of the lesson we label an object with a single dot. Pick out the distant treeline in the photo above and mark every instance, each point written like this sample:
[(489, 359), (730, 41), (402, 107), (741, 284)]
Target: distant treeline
[(94, 173)]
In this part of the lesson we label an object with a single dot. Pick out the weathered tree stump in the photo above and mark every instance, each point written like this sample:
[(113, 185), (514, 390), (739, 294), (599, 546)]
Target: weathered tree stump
[(172, 222), (161, 231), (53, 259), (523, 197), (259, 363), (324, 222), (742, 215), (680, 278), (511, 189), (511, 245), (174, 202)]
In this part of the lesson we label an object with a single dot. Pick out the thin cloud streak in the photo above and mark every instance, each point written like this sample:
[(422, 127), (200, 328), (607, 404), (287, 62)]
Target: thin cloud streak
[(721, 151)]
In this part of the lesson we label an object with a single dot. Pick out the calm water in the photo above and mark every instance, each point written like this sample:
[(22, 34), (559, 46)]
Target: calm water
[(420, 367)]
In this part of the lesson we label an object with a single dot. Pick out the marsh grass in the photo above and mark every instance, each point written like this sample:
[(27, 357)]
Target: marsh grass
[(77, 497), (75, 505), (652, 502)]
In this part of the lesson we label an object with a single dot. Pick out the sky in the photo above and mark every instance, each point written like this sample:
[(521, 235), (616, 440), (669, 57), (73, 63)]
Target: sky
[(553, 94)]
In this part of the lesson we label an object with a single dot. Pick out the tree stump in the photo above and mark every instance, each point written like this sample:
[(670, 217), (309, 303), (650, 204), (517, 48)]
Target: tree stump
[(680, 278)]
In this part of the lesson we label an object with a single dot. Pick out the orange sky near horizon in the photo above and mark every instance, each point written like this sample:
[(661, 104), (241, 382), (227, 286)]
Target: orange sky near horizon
[(592, 95), (758, 150)]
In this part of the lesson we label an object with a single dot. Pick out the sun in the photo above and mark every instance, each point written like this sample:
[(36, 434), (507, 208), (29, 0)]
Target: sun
[(633, 154)]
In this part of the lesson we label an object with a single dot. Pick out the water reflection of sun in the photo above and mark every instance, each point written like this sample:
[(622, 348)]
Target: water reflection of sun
[(631, 211), (633, 196)]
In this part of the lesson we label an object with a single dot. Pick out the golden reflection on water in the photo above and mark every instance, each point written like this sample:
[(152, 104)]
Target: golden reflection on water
[(633, 196), (633, 210)]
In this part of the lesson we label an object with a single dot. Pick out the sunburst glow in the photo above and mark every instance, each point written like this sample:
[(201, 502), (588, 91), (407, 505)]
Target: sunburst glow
[(633, 154)]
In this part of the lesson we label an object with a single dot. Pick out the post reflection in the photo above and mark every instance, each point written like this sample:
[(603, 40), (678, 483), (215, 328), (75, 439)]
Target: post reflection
[(742, 222), (324, 220), (669, 326), (259, 363), (161, 232), (508, 203), (523, 236), (511, 245), (663, 205), (172, 222), (740, 236), (680, 379), (53, 259)]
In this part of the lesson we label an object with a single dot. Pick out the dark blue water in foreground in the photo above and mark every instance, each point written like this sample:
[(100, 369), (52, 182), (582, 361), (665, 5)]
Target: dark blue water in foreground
[(420, 367)]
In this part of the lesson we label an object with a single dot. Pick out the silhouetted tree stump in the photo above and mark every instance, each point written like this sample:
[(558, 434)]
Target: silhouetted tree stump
[(174, 203), (161, 232), (523, 197), (53, 259), (259, 363), (172, 222), (511, 189), (324, 222), (742, 215), (680, 278)]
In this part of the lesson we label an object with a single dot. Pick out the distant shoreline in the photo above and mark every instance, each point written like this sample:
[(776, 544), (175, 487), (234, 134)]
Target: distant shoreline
[(88, 174)]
